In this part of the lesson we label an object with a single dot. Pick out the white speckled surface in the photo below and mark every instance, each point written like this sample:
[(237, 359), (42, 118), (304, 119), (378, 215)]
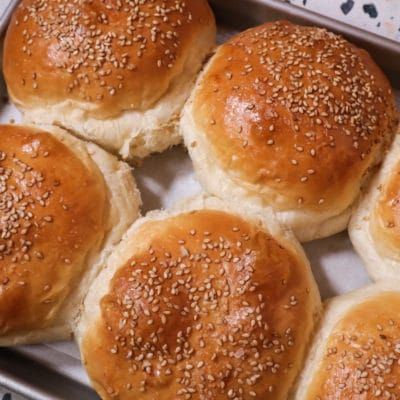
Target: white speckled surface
[(377, 16)]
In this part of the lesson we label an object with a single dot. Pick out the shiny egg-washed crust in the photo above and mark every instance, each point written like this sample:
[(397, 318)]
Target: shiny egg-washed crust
[(374, 228), (57, 221), (113, 72), (200, 304), (116, 55), (356, 354), (293, 117)]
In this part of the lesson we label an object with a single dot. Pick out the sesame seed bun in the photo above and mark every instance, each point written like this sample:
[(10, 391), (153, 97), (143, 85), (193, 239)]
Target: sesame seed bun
[(356, 352), (204, 302), (292, 117), (116, 73), (375, 226), (64, 205)]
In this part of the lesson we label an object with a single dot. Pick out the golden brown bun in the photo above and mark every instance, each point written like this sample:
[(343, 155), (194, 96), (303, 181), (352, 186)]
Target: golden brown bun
[(103, 60), (86, 51), (375, 226), (356, 354), (293, 117), (56, 222), (200, 304)]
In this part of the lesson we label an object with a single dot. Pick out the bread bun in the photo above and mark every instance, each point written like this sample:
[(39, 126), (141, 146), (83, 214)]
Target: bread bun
[(293, 117), (375, 226), (64, 204), (200, 303), (116, 73), (356, 354)]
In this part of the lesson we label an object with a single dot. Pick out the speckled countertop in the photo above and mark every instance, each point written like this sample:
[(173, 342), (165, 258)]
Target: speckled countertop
[(378, 16)]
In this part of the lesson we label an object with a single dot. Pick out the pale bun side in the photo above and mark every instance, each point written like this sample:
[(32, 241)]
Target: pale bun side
[(380, 261), (306, 225)]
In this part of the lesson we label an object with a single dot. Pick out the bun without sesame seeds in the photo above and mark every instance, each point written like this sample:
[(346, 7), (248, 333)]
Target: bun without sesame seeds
[(375, 225), (356, 351), (293, 117), (201, 302), (113, 72), (64, 204)]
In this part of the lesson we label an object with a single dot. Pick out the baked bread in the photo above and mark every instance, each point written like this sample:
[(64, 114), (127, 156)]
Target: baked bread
[(64, 204), (114, 72), (202, 302), (375, 226), (293, 117), (356, 353)]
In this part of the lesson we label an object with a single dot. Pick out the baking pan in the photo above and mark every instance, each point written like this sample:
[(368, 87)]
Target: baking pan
[(34, 380), (245, 13), (54, 372), (6, 8)]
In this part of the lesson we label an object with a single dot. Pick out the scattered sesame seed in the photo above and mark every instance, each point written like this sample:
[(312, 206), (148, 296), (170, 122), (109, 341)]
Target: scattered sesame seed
[(107, 51), (362, 356)]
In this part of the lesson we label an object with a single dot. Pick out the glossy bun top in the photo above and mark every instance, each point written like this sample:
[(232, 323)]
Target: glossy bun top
[(52, 217), (106, 55), (295, 115), (206, 305)]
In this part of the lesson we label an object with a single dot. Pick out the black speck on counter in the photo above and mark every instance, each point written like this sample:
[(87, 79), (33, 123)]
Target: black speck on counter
[(304, 2), (347, 6), (371, 10)]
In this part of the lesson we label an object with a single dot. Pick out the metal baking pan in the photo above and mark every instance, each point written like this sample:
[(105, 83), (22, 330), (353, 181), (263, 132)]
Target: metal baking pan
[(6, 8), (34, 380), (53, 372)]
